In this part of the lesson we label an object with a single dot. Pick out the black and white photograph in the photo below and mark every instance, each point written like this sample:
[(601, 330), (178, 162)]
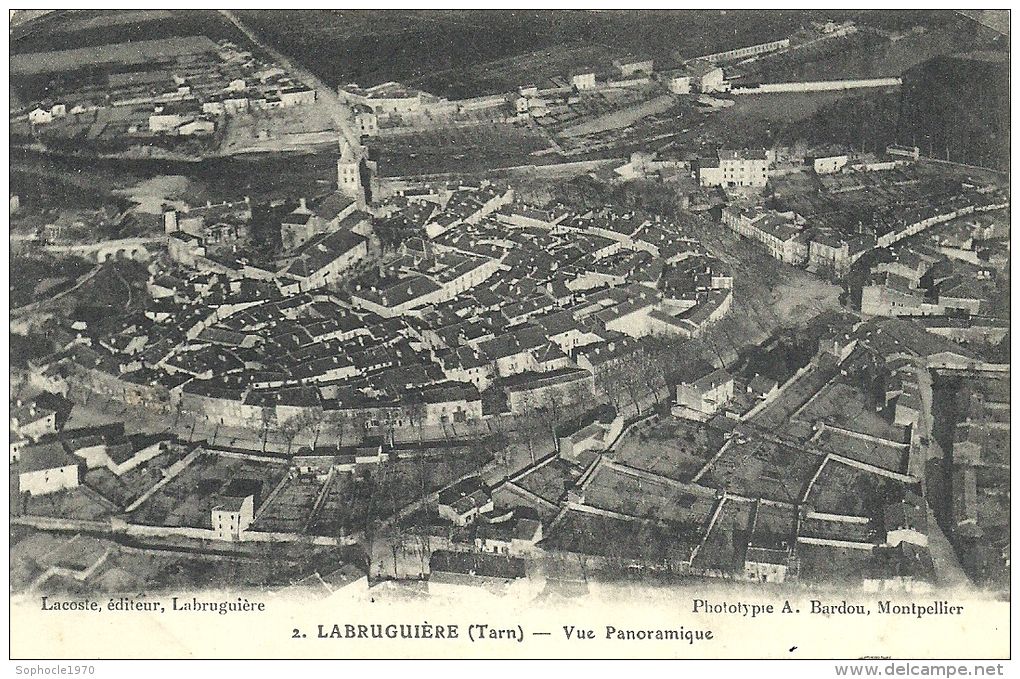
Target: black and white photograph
[(510, 334)]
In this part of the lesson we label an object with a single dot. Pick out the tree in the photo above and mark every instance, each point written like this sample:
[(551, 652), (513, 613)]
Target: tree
[(500, 440), (293, 426), (550, 414), (417, 411), (526, 423), (341, 428), (650, 370), (611, 386), (370, 522), (268, 416), (631, 379)]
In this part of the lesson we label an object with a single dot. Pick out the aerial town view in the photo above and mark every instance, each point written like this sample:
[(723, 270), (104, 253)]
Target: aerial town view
[(410, 304)]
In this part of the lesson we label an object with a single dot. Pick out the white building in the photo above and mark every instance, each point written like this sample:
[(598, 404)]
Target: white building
[(829, 160), (679, 83), (731, 168), (584, 80), (630, 67), (31, 421), (762, 564), (47, 468), (906, 521), (232, 516), (366, 121), (706, 395), (706, 77)]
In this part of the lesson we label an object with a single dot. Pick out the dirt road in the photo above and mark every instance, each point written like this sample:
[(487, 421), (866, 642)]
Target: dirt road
[(338, 110)]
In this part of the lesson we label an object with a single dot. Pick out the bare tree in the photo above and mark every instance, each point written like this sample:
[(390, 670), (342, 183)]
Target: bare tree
[(611, 387), (268, 417), (293, 426), (631, 379), (649, 370), (417, 411), (501, 444), (526, 423)]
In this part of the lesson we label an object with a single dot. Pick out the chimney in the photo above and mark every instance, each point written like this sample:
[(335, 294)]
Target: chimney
[(304, 207)]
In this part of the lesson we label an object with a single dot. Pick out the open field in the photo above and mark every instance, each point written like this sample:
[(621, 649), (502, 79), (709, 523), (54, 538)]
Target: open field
[(468, 53), (450, 52), (867, 55), (35, 272), (92, 28), (544, 68), (461, 149), (755, 120), (120, 54), (673, 448)]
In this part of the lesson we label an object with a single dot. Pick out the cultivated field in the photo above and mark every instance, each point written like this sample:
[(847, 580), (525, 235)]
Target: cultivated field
[(837, 530), (189, 498), (291, 509), (550, 480), (624, 117), (672, 447), (893, 458), (76, 503), (844, 405), (461, 149), (350, 500), (831, 565), (645, 499), (121, 54), (285, 129), (793, 398), (760, 468), (842, 489), (724, 547), (620, 541)]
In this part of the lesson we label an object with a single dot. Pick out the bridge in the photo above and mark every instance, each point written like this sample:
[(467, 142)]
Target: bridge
[(138, 249)]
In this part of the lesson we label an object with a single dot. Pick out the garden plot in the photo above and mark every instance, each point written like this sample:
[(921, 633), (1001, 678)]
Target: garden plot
[(672, 447), (647, 499), (761, 468)]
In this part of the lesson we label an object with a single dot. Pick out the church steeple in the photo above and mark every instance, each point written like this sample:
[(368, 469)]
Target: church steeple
[(348, 171)]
